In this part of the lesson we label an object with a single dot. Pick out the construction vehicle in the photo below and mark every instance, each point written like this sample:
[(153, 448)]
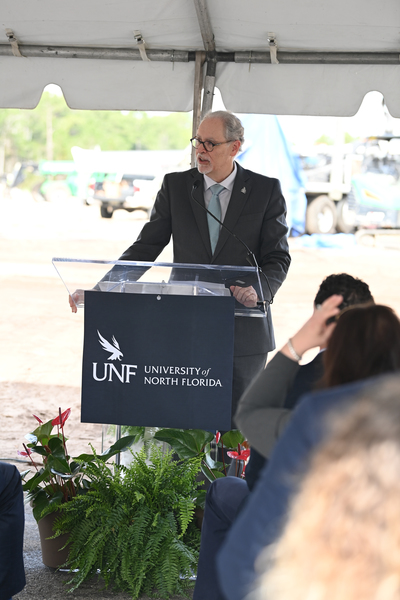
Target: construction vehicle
[(375, 196), (361, 190), (328, 183), (50, 180)]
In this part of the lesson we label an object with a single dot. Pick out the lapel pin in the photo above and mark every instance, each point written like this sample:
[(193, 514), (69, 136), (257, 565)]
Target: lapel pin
[(243, 190)]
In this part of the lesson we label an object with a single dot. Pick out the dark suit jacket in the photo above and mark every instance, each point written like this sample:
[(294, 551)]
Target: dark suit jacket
[(306, 378), (305, 381), (256, 215), (12, 519), (260, 522)]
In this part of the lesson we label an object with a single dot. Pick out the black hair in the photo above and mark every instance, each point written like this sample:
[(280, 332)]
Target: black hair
[(353, 290)]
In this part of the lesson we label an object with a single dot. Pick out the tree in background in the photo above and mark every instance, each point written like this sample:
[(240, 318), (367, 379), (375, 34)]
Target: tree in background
[(52, 128), (324, 139)]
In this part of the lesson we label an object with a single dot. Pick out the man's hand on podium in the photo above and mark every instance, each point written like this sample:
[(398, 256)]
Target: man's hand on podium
[(245, 295), (77, 298)]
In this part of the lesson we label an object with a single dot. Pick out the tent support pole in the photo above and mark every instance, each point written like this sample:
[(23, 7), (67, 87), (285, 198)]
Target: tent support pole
[(186, 56), (209, 45), (209, 85), (205, 25), (198, 87)]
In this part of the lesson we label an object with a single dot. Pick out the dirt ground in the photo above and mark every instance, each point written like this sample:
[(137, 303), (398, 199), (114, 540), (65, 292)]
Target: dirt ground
[(41, 340), (41, 349)]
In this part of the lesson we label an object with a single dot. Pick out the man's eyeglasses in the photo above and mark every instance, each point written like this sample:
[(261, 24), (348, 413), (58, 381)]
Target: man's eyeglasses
[(208, 146)]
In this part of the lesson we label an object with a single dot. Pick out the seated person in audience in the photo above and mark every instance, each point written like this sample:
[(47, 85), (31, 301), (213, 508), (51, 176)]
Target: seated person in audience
[(12, 520), (363, 344), (341, 539), (226, 495)]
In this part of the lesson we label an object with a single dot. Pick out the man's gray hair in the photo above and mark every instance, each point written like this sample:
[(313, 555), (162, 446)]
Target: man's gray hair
[(233, 127)]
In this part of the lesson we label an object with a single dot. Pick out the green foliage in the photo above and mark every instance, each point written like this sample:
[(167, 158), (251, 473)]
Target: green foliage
[(144, 435), (231, 439), (190, 443), (52, 128), (61, 477), (348, 138), (187, 443), (324, 139), (135, 525)]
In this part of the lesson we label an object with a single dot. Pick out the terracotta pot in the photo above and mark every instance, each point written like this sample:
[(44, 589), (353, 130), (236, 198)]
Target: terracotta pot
[(52, 555)]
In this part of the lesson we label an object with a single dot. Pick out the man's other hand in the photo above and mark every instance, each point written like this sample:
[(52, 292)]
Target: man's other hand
[(76, 299), (245, 295)]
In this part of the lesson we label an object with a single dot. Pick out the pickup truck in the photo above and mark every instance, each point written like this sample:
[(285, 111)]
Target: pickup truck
[(129, 192)]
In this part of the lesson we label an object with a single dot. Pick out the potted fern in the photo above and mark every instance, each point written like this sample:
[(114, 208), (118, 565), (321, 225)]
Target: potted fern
[(135, 525)]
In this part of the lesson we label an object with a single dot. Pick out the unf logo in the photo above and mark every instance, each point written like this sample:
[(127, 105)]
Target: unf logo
[(110, 369), (113, 348)]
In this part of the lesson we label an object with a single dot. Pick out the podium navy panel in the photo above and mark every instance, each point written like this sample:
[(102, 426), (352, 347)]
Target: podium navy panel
[(158, 360)]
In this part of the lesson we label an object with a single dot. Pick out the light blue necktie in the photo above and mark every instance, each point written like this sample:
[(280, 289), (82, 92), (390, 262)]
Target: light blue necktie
[(215, 208)]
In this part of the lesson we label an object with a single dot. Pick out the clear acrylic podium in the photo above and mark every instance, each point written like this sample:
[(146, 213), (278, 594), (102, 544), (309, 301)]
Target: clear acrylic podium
[(168, 333), (80, 275)]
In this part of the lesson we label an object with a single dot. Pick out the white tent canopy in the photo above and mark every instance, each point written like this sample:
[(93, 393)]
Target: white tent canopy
[(315, 57)]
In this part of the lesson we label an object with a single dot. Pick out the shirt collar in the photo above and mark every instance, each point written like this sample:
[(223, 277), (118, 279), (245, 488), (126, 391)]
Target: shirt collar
[(227, 183)]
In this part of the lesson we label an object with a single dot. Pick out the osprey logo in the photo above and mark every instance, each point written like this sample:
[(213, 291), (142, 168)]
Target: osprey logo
[(113, 348), (109, 371)]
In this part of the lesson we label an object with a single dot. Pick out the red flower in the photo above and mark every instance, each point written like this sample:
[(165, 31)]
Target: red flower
[(232, 454), (64, 417), (37, 419), (244, 455), (217, 437), (22, 453)]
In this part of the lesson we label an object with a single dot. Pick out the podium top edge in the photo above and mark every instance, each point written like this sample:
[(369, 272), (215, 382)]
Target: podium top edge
[(245, 269)]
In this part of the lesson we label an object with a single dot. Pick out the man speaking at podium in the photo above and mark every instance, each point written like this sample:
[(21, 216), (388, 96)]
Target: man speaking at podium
[(251, 207)]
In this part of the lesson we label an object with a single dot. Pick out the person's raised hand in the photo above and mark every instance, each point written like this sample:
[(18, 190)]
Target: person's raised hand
[(316, 331)]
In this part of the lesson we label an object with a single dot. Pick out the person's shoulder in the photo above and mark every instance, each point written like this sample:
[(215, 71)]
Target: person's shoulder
[(257, 177), (307, 424), (323, 400)]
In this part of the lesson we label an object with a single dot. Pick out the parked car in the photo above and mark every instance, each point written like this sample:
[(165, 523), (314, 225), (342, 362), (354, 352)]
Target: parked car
[(129, 192)]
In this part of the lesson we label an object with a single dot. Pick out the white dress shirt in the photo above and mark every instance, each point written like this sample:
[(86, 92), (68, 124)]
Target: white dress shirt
[(225, 195)]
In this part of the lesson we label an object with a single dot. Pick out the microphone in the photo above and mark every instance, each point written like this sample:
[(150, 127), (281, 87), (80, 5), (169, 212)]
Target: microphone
[(251, 259)]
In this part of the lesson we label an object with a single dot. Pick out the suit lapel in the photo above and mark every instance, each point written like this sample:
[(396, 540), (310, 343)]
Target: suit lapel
[(199, 213), (240, 193)]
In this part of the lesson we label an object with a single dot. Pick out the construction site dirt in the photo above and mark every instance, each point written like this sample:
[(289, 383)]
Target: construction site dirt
[(42, 340)]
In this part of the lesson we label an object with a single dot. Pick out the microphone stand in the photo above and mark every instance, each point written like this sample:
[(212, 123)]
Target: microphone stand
[(251, 259)]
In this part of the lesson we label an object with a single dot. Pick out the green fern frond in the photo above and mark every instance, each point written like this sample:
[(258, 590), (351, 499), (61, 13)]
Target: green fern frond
[(186, 512), (135, 525)]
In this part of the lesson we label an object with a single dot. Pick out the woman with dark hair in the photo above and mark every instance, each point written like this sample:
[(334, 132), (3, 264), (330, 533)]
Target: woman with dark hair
[(361, 341), (365, 343)]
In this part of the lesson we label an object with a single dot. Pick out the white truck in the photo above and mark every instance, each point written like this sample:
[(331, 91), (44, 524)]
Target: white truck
[(126, 180), (328, 189)]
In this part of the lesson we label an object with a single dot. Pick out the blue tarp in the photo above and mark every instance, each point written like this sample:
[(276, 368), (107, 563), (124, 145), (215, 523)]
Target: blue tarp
[(342, 241), (267, 151)]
